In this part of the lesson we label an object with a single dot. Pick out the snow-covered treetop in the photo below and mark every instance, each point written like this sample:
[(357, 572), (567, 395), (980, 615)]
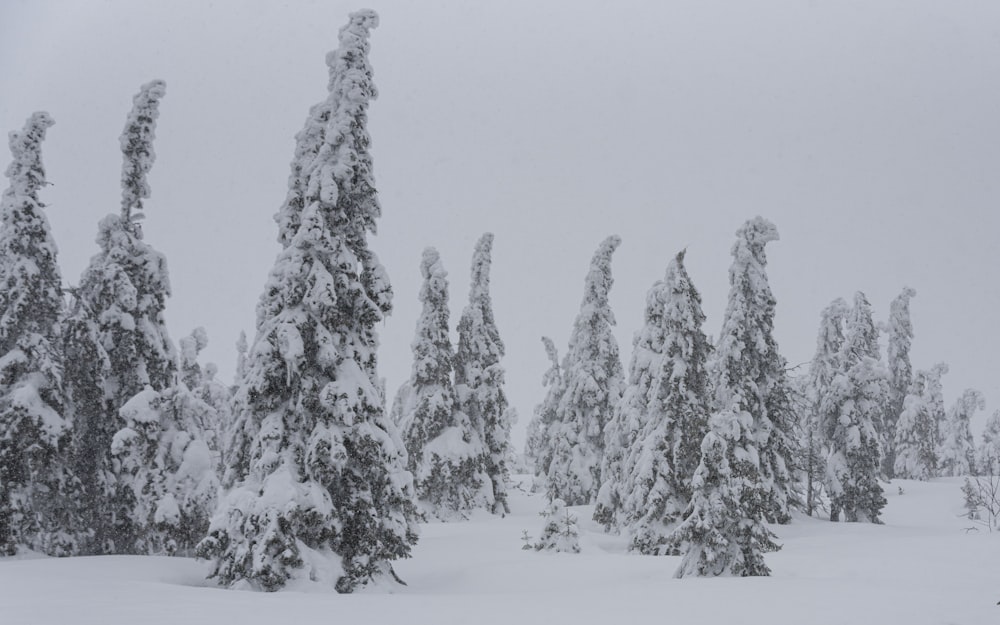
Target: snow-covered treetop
[(597, 284), (479, 289), (26, 173), (970, 401), (137, 149), (552, 375), (861, 332), (748, 251)]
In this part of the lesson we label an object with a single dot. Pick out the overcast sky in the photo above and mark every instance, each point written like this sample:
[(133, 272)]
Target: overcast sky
[(868, 132)]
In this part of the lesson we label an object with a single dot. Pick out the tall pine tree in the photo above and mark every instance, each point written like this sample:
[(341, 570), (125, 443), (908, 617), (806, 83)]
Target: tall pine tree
[(39, 494), (445, 452), (538, 449), (900, 372), (317, 472), (479, 376), (748, 375), (914, 441), (592, 385), (957, 453), (852, 409)]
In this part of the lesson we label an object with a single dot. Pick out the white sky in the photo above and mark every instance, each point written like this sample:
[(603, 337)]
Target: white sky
[(868, 132)]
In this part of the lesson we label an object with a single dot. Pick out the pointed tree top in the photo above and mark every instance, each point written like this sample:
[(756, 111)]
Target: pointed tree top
[(598, 283), (481, 262), (25, 171), (137, 148)]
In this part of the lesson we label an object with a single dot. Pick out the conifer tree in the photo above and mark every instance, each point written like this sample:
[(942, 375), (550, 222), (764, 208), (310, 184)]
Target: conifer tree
[(538, 448), (989, 450), (900, 372), (716, 537), (916, 455), (445, 452), (40, 497), (852, 409), (241, 357), (935, 400), (479, 376), (957, 454), (823, 370), (317, 473), (560, 533), (593, 380), (669, 386), (748, 376)]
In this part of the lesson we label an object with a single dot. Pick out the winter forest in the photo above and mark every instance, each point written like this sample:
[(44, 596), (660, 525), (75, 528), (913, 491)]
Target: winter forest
[(700, 450)]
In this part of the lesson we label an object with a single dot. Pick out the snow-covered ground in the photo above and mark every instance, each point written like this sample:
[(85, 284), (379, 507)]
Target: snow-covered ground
[(922, 567)]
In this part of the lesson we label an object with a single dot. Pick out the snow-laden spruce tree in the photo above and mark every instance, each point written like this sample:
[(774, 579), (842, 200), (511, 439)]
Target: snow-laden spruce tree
[(916, 453), (40, 497), (671, 419), (479, 376), (318, 486), (852, 409), (560, 533), (748, 376), (537, 449), (935, 399), (716, 537), (988, 453), (957, 453), (123, 294), (592, 379), (446, 455), (900, 332), (823, 369)]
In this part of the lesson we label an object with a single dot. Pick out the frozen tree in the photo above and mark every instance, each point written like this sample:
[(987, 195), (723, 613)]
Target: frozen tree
[(479, 376), (916, 455), (935, 400), (716, 537), (666, 403), (748, 376), (317, 479), (40, 496), (560, 533), (124, 290), (446, 455), (851, 410), (592, 385), (900, 332), (988, 461), (241, 357), (823, 370), (957, 454), (538, 448), (190, 346)]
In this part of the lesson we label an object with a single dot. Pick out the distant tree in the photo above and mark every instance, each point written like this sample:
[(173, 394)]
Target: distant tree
[(241, 357), (446, 455), (479, 376), (748, 376), (657, 470), (916, 453), (900, 372), (40, 497), (852, 409), (957, 454), (988, 461), (317, 474), (593, 378), (538, 447), (716, 537), (823, 371)]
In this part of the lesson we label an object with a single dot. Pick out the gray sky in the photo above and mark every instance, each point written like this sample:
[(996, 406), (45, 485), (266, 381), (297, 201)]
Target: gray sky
[(868, 132)]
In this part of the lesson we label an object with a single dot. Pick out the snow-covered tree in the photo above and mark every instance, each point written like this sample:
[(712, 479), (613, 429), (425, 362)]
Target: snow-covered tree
[(592, 379), (537, 449), (446, 455), (823, 370), (900, 332), (852, 409), (560, 533), (40, 497), (957, 454), (935, 399), (988, 460), (748, 376), (916, 453), (665, 412), (479, 376), (241, 357), (318, 486), (716, 537)]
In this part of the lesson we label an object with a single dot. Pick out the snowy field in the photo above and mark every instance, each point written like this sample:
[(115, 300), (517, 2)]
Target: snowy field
[(922, 567)]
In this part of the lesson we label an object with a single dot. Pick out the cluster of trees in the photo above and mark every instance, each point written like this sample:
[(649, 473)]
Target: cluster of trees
[(697, 448)]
